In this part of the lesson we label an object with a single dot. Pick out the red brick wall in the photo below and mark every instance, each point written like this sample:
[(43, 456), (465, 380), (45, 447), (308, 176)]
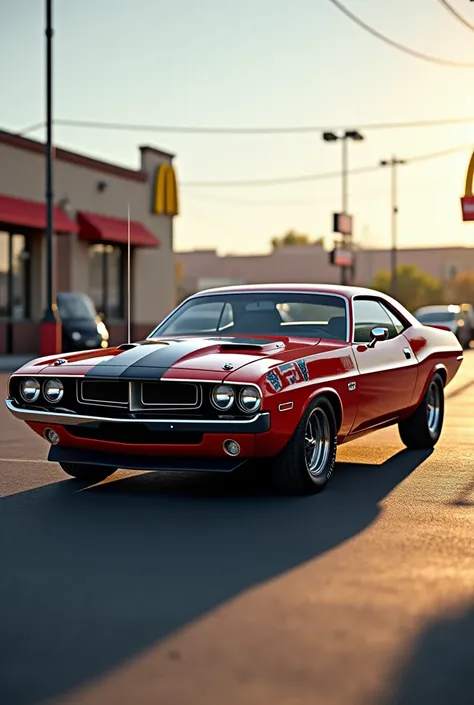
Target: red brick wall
[(3, 338), (63, 254), (117, 332), (142, 330), (25, 338)]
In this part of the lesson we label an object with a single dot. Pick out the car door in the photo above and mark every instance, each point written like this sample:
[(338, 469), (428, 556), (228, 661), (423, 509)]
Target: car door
[(388, 370)]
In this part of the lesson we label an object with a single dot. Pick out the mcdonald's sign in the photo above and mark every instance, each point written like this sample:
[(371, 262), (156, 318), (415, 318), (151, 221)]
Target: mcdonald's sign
[(467, 201), (165, 191)]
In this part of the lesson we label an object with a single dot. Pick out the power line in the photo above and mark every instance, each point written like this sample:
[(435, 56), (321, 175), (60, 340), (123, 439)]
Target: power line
[(298, 129), (456, 14), (318, 177), (439, 154), (275, 181), (401, 47), (366, 194)]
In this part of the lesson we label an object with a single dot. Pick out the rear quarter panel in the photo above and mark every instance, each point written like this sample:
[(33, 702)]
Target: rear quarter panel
[(435, 349)]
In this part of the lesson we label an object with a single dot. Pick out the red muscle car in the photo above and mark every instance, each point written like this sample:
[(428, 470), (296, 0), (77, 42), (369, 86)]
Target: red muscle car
[(281, 373)]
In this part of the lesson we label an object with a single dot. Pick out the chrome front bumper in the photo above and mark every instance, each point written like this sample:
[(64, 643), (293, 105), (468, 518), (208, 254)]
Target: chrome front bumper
[(256, 424)]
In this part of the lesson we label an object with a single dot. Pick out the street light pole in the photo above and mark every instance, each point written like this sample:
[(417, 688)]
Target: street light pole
[(50, 331), (356, 136), (345, 195), (393, 163), (345, 169)]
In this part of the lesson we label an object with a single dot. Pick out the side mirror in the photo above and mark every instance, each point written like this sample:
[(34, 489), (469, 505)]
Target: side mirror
[(377, 335)]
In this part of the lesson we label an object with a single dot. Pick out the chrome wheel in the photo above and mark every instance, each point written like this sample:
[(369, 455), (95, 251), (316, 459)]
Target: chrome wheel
[(317, 440), (433, 407)]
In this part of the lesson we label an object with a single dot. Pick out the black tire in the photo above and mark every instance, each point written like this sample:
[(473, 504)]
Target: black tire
[(422, 429), (88, 473), (290, 469)]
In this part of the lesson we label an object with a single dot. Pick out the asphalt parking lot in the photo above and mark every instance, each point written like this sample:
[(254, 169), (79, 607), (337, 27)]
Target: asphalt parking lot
[(204, 590)]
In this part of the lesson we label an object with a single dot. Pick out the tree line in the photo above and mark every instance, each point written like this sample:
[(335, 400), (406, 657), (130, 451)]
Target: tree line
[(415, 288)]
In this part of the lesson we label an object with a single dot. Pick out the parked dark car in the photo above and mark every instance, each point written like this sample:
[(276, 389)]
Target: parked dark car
[(453, 317), (82, 326)]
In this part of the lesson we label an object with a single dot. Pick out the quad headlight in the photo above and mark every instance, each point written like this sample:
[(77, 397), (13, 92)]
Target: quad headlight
[(53, 390), (250, 399), (222, 397), (30, 390)]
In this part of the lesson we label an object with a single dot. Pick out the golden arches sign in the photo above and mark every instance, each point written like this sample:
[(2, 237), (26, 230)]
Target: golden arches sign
[(165, 192), (467, 201)]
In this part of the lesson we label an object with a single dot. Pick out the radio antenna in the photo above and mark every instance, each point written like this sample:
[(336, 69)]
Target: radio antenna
[(128, 279)]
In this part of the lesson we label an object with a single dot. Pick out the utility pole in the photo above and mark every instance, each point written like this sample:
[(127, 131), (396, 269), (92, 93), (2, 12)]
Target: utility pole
[(393, 163), (356, 136), (50, 331), (344, 174)]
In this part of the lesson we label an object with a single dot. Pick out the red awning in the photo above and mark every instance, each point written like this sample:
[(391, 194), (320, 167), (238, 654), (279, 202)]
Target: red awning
[(104, 228), (32, 214)]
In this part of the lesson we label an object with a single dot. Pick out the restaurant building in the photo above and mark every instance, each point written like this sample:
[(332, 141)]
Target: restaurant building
[(90, 238), (201, 269)]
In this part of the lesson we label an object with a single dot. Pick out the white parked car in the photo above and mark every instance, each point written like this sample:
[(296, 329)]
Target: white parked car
[(454, 317)]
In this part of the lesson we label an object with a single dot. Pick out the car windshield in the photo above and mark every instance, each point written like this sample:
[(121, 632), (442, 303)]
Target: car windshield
[(272, 314), (436, 317), (75, 306)]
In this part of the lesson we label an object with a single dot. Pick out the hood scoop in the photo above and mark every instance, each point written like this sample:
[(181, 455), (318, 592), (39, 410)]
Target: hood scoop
[(127, 346), (147, 341), (251, 347)]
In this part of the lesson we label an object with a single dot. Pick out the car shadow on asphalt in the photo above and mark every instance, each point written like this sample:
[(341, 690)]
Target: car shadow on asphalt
[(439, 669), (93, 576)]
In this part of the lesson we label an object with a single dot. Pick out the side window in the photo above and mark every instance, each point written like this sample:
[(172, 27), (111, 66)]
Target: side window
[(397, 322), (201, 318), (369, 314)]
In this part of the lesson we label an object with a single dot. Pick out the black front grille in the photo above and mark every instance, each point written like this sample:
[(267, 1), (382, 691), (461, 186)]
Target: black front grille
[(135, 434), (104, 391), (172, 394)]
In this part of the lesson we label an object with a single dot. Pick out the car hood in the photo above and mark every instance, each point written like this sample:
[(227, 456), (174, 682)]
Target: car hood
[(210, 358)]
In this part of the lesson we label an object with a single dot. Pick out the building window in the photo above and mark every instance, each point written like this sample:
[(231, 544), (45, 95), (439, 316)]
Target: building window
[(14, 276), (106, 279)]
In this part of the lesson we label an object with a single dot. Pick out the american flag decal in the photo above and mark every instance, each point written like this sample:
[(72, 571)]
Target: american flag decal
[(303, 368), (347, 363), (274, 381), (289, 372)]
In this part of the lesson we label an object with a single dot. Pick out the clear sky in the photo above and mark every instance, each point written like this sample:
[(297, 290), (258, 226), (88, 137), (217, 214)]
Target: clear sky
[(255, 63)]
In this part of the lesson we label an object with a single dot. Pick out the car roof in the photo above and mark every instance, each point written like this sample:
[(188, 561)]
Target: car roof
[(347, 291)]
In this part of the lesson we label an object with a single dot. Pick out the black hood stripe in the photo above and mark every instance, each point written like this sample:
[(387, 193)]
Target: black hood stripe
[(128, 357), (146, 361), (114, 366)]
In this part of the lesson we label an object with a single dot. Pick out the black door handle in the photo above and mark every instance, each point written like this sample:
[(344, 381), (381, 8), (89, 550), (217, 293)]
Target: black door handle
[(407, 353)]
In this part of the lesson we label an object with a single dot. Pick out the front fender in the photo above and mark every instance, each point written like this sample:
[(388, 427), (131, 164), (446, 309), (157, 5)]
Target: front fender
[(288, 406)]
